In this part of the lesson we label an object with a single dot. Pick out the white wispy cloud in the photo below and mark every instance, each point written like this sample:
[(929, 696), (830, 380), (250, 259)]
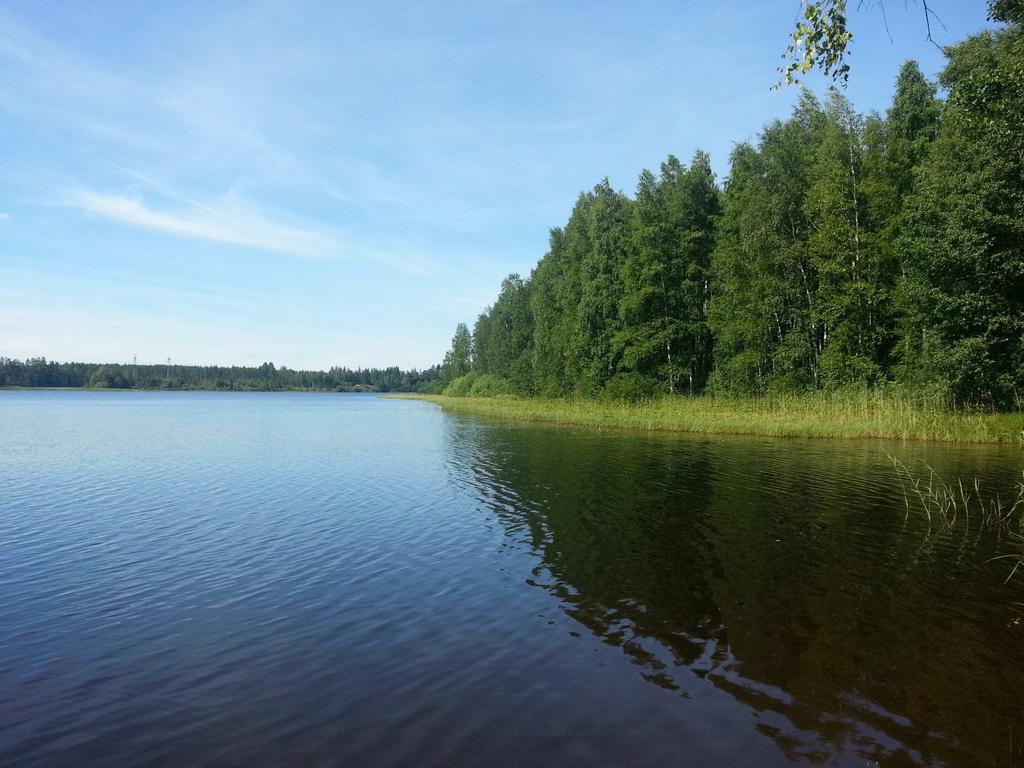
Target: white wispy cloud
[(232, 221), (204, 222), (5, 216)]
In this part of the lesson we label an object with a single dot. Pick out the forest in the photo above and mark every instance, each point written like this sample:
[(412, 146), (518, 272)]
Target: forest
[(38, 372), (842, 251)]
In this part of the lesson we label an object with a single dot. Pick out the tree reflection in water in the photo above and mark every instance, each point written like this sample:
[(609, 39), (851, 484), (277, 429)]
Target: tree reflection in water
[(786, 573)]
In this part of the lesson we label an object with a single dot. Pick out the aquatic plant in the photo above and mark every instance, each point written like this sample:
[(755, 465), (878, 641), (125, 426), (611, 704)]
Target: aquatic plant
[(860, 413), (950, 503)]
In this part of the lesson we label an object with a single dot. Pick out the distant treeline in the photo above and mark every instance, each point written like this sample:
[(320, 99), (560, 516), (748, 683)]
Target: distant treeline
[(842, 250), (38, 372)]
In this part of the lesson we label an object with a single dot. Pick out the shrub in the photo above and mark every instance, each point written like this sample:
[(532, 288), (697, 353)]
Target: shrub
[(435, 387), (104, 378), (489, 385), (460, 387), (628, 388)]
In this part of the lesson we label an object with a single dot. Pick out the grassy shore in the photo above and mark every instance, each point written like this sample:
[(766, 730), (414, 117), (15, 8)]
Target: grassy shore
[(866, 415)]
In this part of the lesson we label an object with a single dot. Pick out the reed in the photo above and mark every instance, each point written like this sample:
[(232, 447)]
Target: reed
[(947, 502), (859, 414), (951, 503)]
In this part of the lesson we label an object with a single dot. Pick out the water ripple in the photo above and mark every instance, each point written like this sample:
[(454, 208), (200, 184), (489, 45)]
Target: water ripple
[(227, 579)]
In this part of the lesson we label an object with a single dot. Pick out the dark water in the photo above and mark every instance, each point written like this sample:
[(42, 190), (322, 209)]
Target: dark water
[(293, 579)]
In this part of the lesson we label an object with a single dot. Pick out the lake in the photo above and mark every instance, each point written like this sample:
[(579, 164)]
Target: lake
[(222, 579)]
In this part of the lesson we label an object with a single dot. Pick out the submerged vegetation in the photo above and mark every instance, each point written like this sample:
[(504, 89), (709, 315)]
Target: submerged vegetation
[(843, 253), (843, 414)]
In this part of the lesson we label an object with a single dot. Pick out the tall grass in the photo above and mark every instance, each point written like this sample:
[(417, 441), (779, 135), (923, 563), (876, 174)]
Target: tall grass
[(951, 503), (948, 502), (845, 414)]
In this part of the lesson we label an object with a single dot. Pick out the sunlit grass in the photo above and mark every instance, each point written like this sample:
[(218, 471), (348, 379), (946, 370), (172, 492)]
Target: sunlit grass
[(867, 414)]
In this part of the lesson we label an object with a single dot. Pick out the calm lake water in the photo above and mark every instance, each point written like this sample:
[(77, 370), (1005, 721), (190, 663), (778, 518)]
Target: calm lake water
[(192, 579)]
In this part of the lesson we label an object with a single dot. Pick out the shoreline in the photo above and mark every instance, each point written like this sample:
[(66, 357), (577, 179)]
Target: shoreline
[(793, 417), (197, 389)]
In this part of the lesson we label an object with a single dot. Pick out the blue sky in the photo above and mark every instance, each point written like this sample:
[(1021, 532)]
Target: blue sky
[(336, 183)]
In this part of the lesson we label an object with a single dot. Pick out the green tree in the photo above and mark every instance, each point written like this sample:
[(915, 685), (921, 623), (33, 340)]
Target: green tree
[(458, 361), (105, 377), (851, 305), (482, 349), (819, 40), (821, 37), (842, 250), (575, 294), (893, 149), (963, 228), (763, 307), (554, 281), (503, 336), (665, 276), (912, 124), (600, 250)]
